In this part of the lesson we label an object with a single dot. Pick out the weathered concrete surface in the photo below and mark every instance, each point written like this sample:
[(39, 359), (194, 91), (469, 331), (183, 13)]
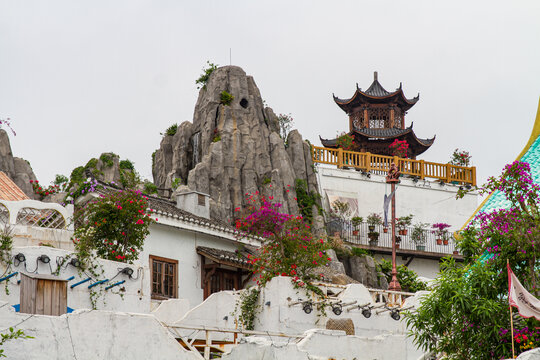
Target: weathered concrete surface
[(230, 151), (18, 170), (90, 335), (320, 344)]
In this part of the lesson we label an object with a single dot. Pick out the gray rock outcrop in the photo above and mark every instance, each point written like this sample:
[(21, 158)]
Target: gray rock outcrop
[(18, 170), (233, 150)]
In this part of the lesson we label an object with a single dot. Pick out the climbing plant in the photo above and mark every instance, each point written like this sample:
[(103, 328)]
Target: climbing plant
[(207, 71), (226, 98), (306, 199), (12, 334)]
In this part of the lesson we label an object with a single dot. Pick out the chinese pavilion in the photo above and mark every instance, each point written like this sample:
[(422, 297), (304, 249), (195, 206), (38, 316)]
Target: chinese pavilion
[(377, 118)]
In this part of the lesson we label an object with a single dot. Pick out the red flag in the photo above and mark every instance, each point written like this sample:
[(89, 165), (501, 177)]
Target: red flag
[(520, 298)]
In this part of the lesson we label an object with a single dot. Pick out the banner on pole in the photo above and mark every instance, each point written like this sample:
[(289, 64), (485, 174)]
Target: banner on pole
[(527, 305)]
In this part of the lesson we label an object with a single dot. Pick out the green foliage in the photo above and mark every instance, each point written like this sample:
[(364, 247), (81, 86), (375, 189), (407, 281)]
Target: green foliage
[(418, 235), (285, 125), (248, 308), (407, 278), (150, 188), (203, 79), (129, 178), (61, 181), (357, 221), (356, 251), (114, 226), (404, 221), (12, 335), (466, 315), (266, 180), (171, 130), (176, 183), (127, 165), (91, 164), (107, 159), (77, 175), (226, 98), (306, 199), (6, 246), (374, 219), (217, 135), (345, 141)]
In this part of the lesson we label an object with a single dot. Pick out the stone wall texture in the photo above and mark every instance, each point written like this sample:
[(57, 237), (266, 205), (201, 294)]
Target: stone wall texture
[(233, 150)]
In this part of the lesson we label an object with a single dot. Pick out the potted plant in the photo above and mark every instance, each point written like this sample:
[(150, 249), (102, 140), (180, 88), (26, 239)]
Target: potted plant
[(373, 220), (356, 221), (373, 238), (385, 229), (402, 223), (441, 233), (418, 236)]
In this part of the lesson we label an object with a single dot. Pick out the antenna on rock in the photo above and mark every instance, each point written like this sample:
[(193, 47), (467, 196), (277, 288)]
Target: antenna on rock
[(230, 56)]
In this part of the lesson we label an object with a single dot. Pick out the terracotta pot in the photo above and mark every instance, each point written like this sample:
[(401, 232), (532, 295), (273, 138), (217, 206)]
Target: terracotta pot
[(397, 245), (404, 232), (439, 241), (385, 230), (445, 242), (455, 252), (355, 232)]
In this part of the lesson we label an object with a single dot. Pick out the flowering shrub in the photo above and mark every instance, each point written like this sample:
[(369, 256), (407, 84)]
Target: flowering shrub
[(460, 158), (345, 141), (441, 228), (466, 314), (43, 192), (7, 122), (288, 247), (114, 226), (399, 148), (374, 219)]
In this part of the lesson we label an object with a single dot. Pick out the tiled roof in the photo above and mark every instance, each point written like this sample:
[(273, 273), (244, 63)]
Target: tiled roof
[(9, 190), (376, 89), (237, 258)]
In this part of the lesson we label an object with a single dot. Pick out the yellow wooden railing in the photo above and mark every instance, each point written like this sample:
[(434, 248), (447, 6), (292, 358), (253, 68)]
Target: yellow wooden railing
[(380, 163)]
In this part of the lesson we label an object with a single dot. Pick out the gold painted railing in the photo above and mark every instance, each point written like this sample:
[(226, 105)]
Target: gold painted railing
[(380, 163)]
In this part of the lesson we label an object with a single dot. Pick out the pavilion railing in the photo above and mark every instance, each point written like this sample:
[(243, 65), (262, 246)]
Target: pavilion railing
[(381, 164)]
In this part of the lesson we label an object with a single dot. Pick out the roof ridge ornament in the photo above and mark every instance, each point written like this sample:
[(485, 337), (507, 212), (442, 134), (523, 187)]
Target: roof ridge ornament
[(375, 76)]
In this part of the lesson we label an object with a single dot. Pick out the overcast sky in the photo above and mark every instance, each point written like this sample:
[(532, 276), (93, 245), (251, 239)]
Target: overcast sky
[(79, 78)]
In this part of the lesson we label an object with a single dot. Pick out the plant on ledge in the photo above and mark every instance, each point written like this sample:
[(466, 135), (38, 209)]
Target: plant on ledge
[(345, 141), (442, 233), (460, 158), (226, 98), (399, 148), (203, 79), (418, 236), (402, 223), (356, 222), (216, 135), (43, 192), (373, 220)]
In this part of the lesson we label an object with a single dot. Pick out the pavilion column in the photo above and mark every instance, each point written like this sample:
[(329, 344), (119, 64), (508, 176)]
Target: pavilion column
[(366, 118), (391, 117)]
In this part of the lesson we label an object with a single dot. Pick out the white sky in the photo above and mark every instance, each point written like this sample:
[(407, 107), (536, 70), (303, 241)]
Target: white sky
[(79, 78)]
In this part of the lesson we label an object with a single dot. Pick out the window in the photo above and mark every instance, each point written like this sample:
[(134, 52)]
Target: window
[(164, 277), (222, 279), (201, 200)]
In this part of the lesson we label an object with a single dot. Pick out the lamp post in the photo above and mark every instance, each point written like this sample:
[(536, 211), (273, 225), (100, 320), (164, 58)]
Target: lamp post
[(393, 178)]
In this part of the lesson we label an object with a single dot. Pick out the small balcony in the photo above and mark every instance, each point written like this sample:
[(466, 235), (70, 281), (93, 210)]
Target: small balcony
[(380, 164), (406, 246)]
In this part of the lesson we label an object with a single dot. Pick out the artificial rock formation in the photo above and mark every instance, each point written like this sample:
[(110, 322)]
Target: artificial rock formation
[(233, 150), (19, 170)]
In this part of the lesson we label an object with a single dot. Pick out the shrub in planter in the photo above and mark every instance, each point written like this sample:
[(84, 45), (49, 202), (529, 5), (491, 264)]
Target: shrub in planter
[(373, 220), (402, 223), (373, 237), (418, 235), (441, 232), (356, 221)]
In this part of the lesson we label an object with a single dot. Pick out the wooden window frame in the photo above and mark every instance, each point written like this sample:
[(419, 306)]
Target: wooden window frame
[(175, 277)]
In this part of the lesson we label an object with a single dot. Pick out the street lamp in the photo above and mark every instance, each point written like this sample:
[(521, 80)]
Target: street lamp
[(393, 178)]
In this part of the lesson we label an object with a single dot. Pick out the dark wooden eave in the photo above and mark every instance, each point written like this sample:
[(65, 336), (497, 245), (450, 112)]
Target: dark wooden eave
[(376, 94), (224, 257)]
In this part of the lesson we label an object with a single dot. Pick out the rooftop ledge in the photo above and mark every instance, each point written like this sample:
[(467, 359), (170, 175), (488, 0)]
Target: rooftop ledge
[(380, 164)]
